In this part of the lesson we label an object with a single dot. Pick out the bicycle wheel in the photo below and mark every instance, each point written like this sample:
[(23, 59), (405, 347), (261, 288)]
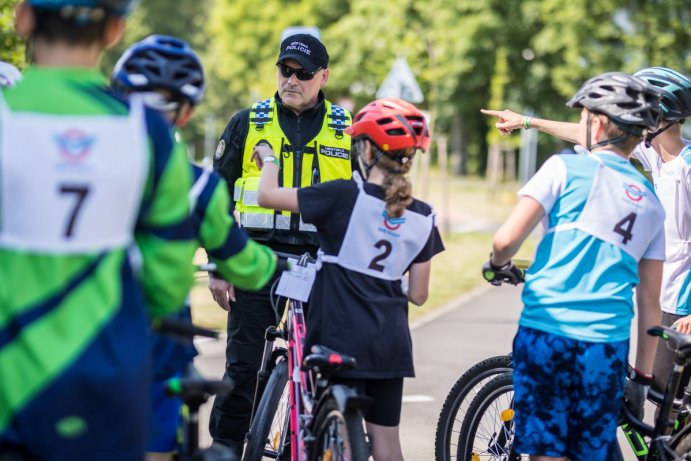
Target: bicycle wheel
[(681, 443), (456, 403), (338, 436), (487, 431), (265, 435)]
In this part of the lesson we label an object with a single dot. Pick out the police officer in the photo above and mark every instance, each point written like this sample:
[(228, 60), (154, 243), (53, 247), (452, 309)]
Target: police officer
[(308, 134)]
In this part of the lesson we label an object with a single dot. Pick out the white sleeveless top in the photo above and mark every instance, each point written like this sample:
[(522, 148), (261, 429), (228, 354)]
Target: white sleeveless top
[(71, 183), (385, 248)]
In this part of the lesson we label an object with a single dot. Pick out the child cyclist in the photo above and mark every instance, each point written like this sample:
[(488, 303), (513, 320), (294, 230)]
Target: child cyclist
[(604, 236), (167, 73), (372, 231), (663, 154), (85, 247)]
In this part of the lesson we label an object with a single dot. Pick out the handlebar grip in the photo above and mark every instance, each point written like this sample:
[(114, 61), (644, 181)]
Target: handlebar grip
[(181, 328), (282, 265), (509, 274)]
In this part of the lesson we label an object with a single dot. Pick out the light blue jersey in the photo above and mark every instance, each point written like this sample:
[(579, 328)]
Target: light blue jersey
[(601, 218)]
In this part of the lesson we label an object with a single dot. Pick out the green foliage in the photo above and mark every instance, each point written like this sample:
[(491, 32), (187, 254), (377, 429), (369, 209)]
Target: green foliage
[(11, 47), (527, 55)]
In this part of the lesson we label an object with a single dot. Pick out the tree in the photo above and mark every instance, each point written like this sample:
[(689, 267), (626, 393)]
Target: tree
[(11, 47)]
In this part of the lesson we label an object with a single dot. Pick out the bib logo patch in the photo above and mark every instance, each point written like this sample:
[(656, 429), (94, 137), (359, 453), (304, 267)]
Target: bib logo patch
[(633, 192), (220, 149), (392, 224), (335, 152), (74, 144)]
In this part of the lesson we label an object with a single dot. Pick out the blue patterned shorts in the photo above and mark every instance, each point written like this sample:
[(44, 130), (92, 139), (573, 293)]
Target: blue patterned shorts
[(567, 394)]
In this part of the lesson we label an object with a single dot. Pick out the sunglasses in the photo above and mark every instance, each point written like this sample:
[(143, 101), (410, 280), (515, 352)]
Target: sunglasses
[(301, 74)]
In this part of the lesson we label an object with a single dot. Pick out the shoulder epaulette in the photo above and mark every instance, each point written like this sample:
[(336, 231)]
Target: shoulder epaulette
[(261, 113), (338, 119)]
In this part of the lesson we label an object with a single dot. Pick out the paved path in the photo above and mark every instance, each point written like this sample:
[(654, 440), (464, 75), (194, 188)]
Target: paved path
[(446, 343)]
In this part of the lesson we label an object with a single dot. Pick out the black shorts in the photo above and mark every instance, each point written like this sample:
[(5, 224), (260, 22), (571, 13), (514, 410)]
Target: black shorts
[(387, 395)]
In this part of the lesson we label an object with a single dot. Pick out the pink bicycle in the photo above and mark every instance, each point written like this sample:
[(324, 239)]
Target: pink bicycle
[(301, 415)]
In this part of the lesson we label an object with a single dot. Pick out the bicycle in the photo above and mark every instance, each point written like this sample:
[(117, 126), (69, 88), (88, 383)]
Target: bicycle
[(467, 386), (486, 428), (319, 420), (194, 391)]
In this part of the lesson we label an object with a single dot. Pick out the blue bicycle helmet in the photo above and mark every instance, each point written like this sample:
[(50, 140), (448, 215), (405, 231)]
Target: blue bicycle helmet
[(161, 62), (676, 91), (115, 7)]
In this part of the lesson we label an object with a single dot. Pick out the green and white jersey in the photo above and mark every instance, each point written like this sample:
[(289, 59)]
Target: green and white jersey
[(93, 198)]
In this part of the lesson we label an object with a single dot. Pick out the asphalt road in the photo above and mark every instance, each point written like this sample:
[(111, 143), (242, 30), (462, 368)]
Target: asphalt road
[(447, 342)]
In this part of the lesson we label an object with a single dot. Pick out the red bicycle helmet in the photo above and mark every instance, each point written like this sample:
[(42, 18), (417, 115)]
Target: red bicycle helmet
[(391, 124)]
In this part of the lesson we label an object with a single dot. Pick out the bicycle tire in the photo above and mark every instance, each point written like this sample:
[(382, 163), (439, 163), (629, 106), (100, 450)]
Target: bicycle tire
[(681, 442), (487, 431), (331, 424), (267, 427), (457, 401)]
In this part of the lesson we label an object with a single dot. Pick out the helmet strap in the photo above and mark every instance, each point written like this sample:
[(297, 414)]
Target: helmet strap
[(606, 142), (652, 134), (366, 168)]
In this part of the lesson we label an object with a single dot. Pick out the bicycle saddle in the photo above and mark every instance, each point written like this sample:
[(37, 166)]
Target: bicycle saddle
[(321, 358)]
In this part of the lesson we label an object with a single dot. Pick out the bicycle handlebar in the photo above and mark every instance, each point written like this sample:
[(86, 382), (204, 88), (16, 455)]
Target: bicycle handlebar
[(512, 273), (302, 259), (179, 327)]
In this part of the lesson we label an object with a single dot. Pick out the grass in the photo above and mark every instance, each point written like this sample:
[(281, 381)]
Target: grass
[(468, 204)]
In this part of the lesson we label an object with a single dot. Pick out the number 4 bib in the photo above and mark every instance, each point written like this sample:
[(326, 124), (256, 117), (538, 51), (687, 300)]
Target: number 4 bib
[(619, 210), (377, 245)]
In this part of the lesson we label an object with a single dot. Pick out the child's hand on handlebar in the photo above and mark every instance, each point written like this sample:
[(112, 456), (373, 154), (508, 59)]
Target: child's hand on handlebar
[(508, 273)]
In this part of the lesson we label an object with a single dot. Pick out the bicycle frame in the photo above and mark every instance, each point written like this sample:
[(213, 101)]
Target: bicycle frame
[(308, 380), (301, 383)]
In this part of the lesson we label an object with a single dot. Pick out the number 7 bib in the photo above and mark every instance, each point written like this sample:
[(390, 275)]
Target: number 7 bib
[(68, 183)]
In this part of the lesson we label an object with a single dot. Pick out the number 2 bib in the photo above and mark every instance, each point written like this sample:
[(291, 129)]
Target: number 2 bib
[(377, 245), (71, 184), (619, 210)]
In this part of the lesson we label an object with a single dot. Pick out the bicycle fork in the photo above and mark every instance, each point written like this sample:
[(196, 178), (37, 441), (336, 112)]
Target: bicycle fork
[(270, 336)]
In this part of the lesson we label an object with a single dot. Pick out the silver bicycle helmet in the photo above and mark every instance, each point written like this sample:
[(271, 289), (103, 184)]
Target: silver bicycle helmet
[(630, 101)]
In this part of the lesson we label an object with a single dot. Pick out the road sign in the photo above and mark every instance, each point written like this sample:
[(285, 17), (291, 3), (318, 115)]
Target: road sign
[(400, 83)]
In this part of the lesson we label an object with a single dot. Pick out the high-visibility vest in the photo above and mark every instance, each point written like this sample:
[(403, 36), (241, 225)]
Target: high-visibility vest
[(324, 158)]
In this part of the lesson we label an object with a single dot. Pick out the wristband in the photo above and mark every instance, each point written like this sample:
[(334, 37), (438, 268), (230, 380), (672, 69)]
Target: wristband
[(271, 159), (526, 122), (640, 378)]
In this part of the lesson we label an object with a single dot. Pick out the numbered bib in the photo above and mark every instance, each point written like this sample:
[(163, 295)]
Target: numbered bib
[(377, 245), (619, 210), (71, 184)]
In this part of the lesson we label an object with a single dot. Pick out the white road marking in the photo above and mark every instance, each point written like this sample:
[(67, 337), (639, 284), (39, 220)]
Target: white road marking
[(417, 398)]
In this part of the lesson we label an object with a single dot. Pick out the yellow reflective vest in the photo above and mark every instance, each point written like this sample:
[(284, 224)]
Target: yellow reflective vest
[(324, 158)]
